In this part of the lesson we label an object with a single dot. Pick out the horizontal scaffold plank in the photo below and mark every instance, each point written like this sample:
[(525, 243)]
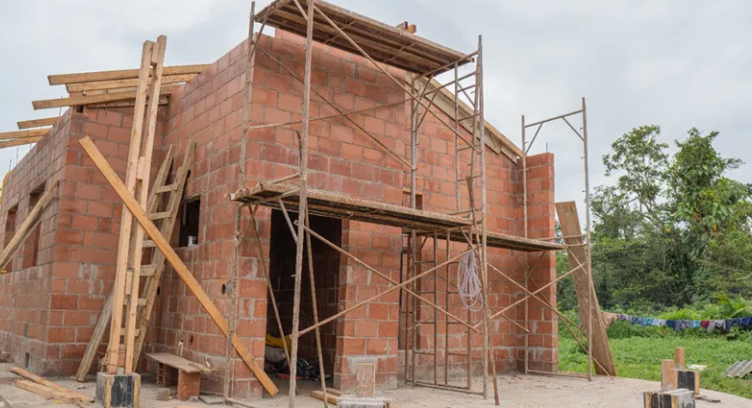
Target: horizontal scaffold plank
[(24, 134), (123, 83), (35, 123), (88, 100)]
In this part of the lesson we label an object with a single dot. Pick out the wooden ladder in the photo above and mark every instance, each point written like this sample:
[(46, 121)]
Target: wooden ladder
[(164, 203)]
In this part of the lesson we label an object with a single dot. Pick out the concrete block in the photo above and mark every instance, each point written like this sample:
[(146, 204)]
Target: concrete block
[(118, 390), (690, 380), (354, 402), (163, 394)]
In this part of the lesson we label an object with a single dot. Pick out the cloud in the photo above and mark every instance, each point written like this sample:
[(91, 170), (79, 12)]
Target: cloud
[(677, 64)]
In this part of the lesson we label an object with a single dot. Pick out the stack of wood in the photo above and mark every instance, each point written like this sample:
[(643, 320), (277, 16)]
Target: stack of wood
[(49, 389)]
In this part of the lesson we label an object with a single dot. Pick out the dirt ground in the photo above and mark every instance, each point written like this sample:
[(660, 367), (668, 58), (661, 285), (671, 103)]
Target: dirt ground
[(515, 391)]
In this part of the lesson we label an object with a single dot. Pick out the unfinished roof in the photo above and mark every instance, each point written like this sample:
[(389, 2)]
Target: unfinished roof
[(336, 205), (384, 43)]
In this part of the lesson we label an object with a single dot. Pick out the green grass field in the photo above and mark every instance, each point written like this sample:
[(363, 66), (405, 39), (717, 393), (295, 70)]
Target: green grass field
[(640, 357)]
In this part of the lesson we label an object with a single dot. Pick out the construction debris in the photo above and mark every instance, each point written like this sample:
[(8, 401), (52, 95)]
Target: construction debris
[(739, 369), (681, 398)]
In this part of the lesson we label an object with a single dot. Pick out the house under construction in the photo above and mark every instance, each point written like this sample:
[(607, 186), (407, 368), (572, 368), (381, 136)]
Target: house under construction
[(335, 182)]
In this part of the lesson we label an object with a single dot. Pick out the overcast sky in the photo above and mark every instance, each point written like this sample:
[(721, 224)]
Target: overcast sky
[(676, 64)]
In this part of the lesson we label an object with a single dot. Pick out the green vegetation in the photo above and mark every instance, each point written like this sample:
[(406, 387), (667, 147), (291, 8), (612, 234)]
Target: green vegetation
[(638, 353), (672, 239)]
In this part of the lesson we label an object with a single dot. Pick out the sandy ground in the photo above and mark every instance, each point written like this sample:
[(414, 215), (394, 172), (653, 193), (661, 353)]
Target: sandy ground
[(515, 391)]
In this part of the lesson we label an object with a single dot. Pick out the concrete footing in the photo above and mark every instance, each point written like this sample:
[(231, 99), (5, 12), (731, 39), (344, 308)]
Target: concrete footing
[(118, 390)]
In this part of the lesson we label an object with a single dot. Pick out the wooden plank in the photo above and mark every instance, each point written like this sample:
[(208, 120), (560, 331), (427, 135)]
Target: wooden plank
[(157, 59), (87, 100), (365, 385), (24, 134), (124, 83), (178, 362), (47, 392), (668, 375), (193, 285), (163, 100), (119, 289), (62, 79), (49, 384), (27, 226), (34, 123), (570, 227), (19, 142), (330, 398)]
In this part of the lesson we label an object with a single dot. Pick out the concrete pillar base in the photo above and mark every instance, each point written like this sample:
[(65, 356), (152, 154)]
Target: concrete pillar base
[(118, 390)]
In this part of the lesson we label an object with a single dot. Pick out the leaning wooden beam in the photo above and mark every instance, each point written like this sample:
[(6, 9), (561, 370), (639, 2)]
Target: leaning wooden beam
[(19, 142), (123, 83), (177, 264), (570, 226), (88, 100), (62, 79), (28, 225), (24, 134), (35, 123)]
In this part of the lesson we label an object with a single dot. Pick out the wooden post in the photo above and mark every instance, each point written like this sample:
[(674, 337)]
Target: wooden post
[(679, 357), (668, 375)]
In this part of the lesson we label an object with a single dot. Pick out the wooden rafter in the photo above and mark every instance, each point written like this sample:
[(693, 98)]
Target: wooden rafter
[(123, 83), (35, 123), (88, 100), (24, 134), (63, 79), (19, 142)]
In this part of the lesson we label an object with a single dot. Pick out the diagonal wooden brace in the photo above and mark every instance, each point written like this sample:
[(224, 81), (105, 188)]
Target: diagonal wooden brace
[(193, 285)]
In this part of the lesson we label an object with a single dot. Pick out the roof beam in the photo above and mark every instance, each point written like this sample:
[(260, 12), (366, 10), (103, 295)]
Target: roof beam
[(35, 123), (87, 100), (24, 134), (123, 83), (19, 142), (63, 79)]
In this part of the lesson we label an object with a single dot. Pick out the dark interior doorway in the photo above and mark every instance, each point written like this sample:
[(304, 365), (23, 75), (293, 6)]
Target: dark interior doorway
[(326, 262)]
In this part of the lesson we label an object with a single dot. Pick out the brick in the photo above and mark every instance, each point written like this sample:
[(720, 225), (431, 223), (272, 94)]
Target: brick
[(63, 302)]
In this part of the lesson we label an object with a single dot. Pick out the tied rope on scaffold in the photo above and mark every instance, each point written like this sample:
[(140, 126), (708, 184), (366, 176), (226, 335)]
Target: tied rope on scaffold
[(468, 282)]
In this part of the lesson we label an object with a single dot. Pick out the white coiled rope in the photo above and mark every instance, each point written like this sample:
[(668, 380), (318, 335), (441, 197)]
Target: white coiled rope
[(468, 282)]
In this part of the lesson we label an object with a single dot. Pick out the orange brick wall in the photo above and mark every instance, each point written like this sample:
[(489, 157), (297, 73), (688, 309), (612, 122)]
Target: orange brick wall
[(83, 235)]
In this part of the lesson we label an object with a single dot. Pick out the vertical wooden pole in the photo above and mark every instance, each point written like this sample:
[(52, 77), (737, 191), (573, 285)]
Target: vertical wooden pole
[(414, 247), (302, 209), (126, 220), (679, 357)]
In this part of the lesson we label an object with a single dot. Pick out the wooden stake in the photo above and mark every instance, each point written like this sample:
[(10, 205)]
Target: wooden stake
[(679, 357), (161, 243)]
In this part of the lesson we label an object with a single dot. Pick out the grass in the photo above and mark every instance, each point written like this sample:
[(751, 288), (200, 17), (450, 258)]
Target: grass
[(640, 357)]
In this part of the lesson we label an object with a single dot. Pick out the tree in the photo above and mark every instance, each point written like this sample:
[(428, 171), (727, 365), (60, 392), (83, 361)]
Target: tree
[(674, 229)]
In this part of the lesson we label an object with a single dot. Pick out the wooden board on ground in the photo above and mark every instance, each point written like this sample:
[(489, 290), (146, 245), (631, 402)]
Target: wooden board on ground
[(60, 395), (185, 274), (330, 398), (576, 255)]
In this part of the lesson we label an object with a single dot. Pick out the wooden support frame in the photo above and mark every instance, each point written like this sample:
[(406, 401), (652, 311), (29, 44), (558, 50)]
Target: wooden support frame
[(19, 142), (24, 134), (161, 243)]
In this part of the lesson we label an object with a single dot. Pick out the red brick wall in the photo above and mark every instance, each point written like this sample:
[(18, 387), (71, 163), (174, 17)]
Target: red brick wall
[(543, 323), (208, 110), (25, 294)]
